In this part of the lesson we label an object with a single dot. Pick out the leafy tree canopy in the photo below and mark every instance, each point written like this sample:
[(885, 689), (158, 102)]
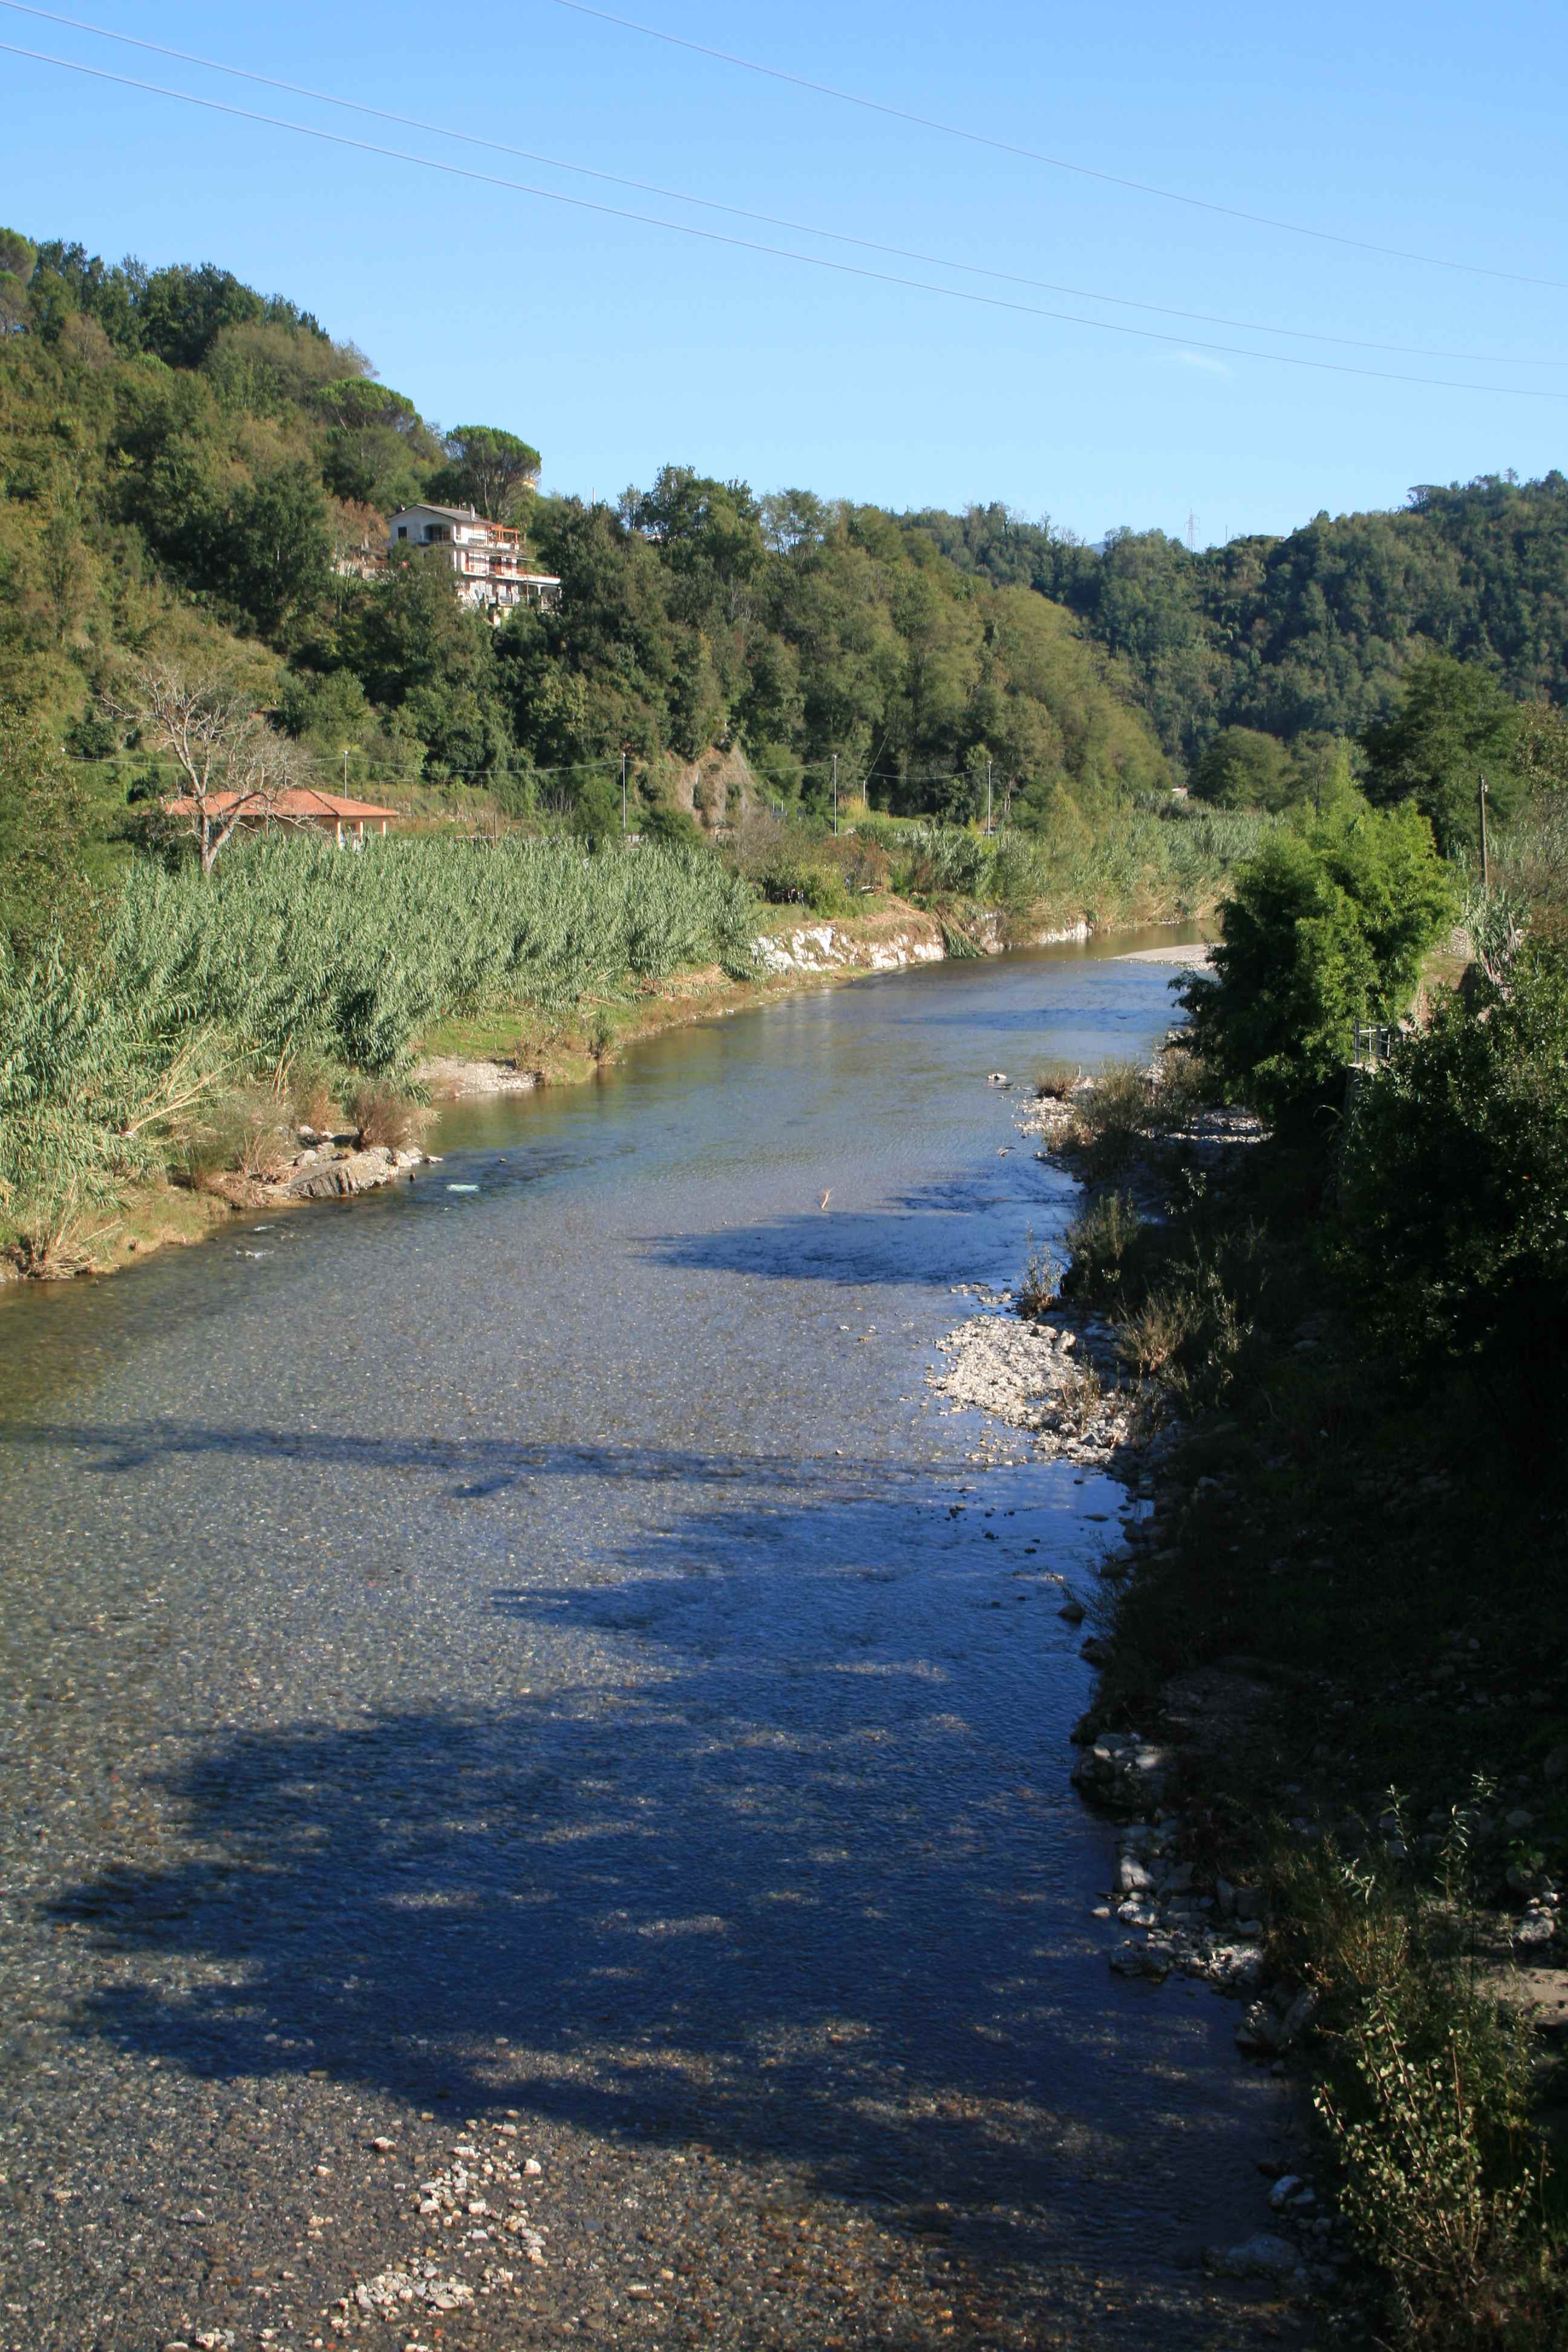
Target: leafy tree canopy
[(487, 470), (1454, 724), (1243, 769), (1325, 927)]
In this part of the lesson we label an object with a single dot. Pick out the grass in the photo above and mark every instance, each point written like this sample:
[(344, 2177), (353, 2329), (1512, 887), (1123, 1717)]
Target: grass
[(1113, 1120)]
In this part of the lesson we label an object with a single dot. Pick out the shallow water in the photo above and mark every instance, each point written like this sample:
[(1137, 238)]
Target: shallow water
[(539, 1649)]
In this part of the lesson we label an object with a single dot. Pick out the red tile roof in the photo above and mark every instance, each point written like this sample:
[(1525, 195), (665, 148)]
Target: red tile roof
[(298, 800)]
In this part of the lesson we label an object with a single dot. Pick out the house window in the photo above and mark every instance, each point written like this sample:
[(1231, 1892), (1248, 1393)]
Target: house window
[(403, 531)]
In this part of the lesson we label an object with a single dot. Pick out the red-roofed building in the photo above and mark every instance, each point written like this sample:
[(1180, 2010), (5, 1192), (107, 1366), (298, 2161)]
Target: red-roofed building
[(298, 804)]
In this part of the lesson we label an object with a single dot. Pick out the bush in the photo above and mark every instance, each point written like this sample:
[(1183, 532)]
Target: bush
[(238, 1133), (296, 956), (1425, 2096), (1099, 1241), (1455, 1190), (788, 881), (1113, 1120), (384, 1115), (1323, 927), (1056, 1080), (1039, 1285), (944, 861)]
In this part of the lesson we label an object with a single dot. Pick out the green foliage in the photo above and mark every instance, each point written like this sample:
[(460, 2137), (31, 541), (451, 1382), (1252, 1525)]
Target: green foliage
[(1312, 633), (1039, 1286), (1324, 927), (1456, 1189), (175, 443), (91, 1074), (18, 259), (294, 947), (296, 959), (1454, 724), (1242, 769), (1099, 1242), (44, 889), (486, 469), (1425, 2091)]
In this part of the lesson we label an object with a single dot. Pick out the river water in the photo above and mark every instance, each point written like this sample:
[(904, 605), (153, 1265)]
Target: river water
[(538, 1651)]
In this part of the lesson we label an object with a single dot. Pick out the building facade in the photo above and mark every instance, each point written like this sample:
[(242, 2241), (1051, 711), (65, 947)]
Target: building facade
[(487, 557)]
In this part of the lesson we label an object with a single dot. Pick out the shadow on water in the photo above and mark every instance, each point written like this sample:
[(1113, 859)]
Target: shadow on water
[(474, 1466), (938, 1234), (788, 1879)]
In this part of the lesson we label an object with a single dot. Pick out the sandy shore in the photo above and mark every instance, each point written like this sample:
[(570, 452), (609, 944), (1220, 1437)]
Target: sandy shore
[(1199, 955)]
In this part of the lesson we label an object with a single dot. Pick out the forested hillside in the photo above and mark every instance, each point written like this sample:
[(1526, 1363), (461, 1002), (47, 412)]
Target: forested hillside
[(1312, 633), (187, 466)]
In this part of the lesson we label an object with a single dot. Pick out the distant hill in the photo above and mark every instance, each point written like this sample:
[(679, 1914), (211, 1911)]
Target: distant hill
[(1310, 633)]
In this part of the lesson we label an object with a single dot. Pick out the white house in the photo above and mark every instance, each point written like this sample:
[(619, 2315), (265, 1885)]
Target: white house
[(487, 557)]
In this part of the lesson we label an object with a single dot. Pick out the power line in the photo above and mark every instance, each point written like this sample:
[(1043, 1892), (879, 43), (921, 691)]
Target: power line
[(767, 220), (1056, 163), (777, 252)]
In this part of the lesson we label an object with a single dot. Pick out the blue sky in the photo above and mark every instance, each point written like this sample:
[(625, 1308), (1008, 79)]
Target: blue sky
[(615, 346)]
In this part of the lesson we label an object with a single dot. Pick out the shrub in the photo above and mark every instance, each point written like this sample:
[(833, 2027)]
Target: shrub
[(382, 1115), (237, 1133), (1323, 927), (1113, 1118), (1424, 2095), (1039, 1285), (788, 881), (1099, 1242), (1056, 1080), (1455, 1190), (313, 1096), (944, 861)]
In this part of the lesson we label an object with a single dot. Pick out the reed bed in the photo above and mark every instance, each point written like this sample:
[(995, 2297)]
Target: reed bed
[(297, 955)]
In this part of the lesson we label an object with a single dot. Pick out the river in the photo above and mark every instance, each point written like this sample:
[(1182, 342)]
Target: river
[(530, 1666)]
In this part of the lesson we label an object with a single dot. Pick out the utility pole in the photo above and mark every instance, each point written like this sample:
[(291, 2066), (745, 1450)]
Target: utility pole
[(1486, 870), (623, 795), (988, 798), (836, 796), (345, 772)]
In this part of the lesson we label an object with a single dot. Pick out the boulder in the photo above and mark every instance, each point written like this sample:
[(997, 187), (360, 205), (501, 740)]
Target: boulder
[(1264, 2256)]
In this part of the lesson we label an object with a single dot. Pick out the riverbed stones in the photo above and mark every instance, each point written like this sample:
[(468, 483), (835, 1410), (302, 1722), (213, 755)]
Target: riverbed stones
[(1263, 2256), (1123, 1772), (1055, 1380)]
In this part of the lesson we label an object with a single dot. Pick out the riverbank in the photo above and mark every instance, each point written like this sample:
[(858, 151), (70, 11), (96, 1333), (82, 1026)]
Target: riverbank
[(1340, 1756)]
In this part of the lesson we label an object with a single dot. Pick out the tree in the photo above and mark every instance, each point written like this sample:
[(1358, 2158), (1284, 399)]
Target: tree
[(18, 260), (380, 449), (44, 892), (1457, 1191), (1325, 927), (277, 545), (487, 468), (1243, 769), (1454, 725), (232, 767), (418, 650), (180, 311), (1541, 749)]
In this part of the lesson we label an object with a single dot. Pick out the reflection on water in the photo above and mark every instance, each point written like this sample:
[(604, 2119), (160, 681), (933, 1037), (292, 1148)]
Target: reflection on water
[(559, 1601)]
